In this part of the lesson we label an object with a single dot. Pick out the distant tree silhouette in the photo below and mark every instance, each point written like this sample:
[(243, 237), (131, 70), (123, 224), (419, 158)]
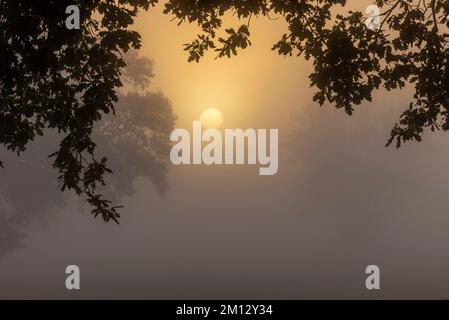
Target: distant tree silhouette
[(135, 140), (54, 78)]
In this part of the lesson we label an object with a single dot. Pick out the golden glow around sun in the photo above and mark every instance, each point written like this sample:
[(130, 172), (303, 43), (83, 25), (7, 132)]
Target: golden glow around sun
[(211, 118)]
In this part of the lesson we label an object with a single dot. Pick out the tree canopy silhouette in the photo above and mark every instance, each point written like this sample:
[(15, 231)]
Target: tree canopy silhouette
[(350, 60), (54, 78)]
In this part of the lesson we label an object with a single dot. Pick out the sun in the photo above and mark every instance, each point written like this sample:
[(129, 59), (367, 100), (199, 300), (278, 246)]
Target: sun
[(211, 118)]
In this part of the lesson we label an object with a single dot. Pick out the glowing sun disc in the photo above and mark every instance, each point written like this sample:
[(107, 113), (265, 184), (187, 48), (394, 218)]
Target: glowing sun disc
[(211, 118)]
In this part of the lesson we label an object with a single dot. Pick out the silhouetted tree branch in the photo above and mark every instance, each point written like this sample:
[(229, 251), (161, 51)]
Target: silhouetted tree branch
[(55, 78), (350, 61)]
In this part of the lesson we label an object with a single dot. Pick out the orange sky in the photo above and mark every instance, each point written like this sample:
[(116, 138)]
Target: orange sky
[(246, 88), (256, 88)]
